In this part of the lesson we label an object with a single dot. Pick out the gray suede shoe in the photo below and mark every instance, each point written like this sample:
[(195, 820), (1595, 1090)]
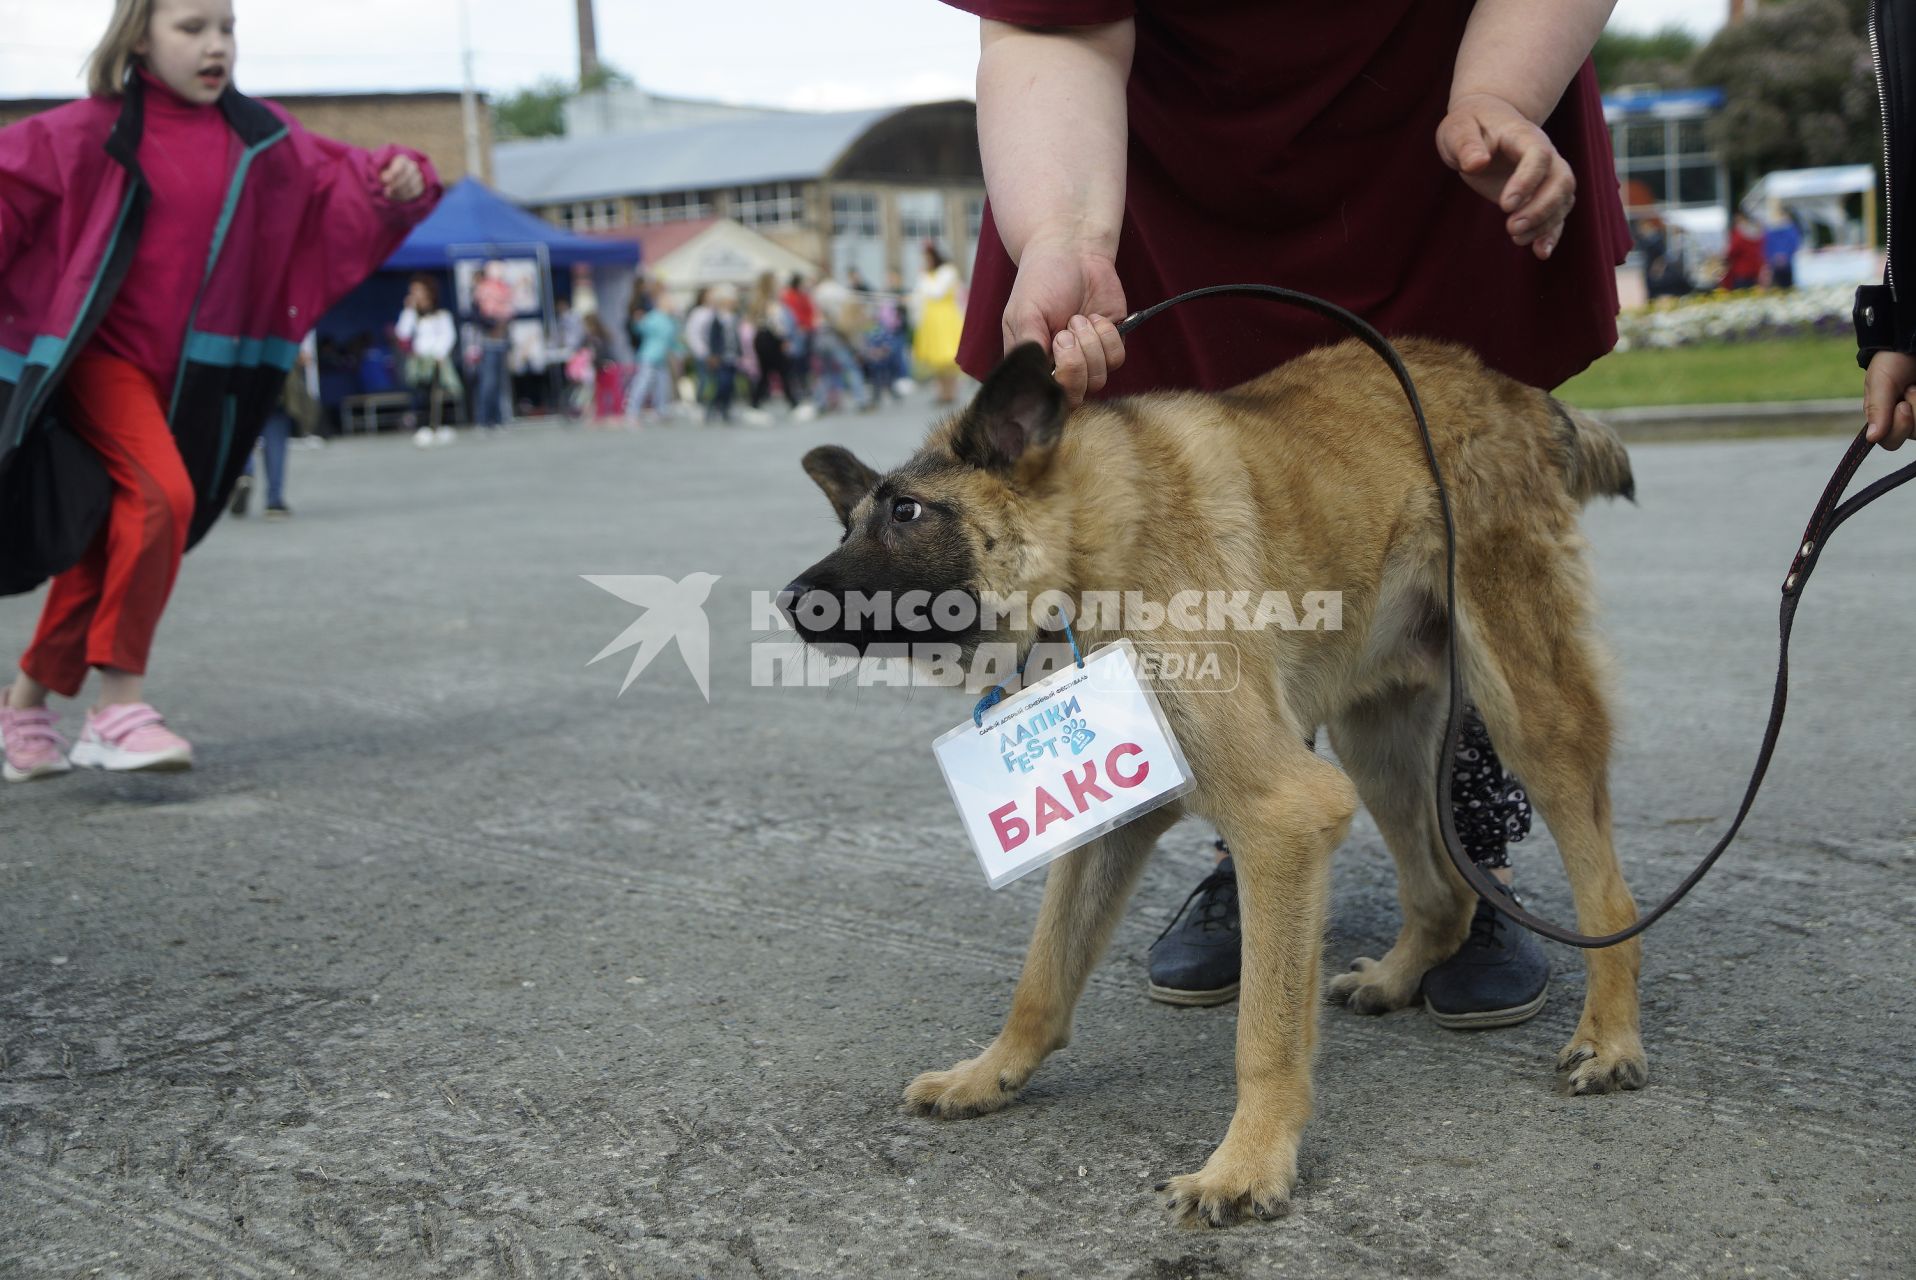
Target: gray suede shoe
[(1199, 956), (1498, 978)]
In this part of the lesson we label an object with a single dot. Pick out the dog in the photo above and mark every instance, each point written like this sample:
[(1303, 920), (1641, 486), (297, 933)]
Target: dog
[(1311, 475)]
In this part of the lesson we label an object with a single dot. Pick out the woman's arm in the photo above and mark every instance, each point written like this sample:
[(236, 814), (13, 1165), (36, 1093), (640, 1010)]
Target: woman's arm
[(1527, 52), (1516, 59), (1052, 129)]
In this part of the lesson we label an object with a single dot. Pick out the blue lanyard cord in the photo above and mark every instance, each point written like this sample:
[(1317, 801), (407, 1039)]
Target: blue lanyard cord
[(996, 694)]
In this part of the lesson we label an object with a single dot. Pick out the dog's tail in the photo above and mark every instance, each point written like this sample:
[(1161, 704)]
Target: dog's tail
[(1592, 459)]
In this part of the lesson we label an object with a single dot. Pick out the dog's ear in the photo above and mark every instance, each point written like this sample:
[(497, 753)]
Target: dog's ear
[(1017, 416), (844, 478)]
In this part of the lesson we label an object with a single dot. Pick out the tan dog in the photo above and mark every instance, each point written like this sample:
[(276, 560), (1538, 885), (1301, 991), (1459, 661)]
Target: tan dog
[(1311, 477)]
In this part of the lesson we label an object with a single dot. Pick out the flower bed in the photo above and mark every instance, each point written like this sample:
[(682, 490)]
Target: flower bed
[(1738, 317)]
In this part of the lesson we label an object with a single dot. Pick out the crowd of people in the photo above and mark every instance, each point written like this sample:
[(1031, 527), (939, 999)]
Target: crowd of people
[(725, 354), (718, 354), (1760, 253)]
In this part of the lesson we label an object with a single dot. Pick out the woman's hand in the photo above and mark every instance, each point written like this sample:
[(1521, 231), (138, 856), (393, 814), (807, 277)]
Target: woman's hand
[(1889, 398), (402, 180), (1064, 299), (1512, 163)]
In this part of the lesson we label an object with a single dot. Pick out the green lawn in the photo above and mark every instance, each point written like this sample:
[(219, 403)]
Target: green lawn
[(1720, 373)]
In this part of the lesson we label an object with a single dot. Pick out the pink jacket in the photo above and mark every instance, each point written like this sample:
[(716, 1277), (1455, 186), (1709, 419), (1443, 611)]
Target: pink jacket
[(304, 221)]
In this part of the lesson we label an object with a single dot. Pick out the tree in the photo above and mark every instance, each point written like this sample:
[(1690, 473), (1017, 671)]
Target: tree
[(1798, 89), (1660, 58), (539, 112)]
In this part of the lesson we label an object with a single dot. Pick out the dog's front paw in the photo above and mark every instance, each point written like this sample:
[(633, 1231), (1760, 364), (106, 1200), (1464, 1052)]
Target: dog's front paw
[(1235, 1184), (974, 1087), (1589, 1065), (1373, 986)]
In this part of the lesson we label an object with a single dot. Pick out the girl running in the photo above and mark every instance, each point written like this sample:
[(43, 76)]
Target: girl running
[(164, 245)]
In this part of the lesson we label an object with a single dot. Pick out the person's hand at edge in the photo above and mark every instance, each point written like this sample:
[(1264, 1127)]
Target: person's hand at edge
[(1511, 162), (1067, 300), (1889, 398)]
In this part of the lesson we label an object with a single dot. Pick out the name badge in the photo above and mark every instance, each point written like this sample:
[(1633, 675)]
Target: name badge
[(1078, 754)]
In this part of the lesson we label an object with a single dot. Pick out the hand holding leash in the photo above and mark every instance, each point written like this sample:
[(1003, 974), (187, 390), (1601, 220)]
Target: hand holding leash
[(1060, 300), (1889, 398)]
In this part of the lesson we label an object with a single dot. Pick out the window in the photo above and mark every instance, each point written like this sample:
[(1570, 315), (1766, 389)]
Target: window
[(769, 204), (1667, 162), (855, 214), (974, 218), (590, 215), (1697, 184), (1646, 139), (675, 206), (921, 217), (1652, 183), (858, 237)]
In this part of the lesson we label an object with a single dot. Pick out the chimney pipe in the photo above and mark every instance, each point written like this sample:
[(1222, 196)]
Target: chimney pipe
[(588, 43)]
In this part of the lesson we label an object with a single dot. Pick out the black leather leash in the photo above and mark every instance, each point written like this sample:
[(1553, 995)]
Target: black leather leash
[(1831, 511)]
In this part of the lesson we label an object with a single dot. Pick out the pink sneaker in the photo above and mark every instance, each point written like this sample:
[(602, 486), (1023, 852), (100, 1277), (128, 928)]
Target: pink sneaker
[(131, 736), (33, 749)]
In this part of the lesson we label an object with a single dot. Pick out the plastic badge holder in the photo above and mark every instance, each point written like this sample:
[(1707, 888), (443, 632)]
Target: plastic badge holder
[(1032, 740)]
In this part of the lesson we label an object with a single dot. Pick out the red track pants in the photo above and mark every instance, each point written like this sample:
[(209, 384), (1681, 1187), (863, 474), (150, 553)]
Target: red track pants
[(104, 610)]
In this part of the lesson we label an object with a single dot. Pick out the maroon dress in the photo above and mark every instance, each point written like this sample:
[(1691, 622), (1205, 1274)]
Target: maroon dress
[(1292, 142)]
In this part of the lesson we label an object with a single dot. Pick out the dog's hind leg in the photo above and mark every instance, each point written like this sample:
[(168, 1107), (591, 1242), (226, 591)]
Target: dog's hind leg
[(1389, 746), (1534, 673), (1283, 811), (1084, 894)]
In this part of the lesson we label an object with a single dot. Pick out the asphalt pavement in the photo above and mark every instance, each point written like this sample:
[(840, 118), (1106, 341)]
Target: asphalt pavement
[(449, 960)]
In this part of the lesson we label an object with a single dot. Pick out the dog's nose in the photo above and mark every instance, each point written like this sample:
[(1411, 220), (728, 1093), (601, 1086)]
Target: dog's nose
[(788, 598)]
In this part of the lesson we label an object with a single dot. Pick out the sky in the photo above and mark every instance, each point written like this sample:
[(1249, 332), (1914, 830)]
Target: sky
[(820, 54)]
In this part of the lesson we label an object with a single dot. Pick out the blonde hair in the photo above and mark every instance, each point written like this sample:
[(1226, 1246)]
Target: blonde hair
[(107, 69), (764, 293)]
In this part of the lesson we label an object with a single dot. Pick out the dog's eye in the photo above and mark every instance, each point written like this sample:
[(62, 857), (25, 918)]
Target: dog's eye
[(906, 510)]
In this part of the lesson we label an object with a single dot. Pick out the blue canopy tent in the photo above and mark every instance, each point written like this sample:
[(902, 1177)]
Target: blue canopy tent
[(473, 222)]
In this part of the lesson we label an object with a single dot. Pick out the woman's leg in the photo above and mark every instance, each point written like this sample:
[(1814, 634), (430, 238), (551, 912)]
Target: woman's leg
[(640, 392), (655, 388), (492, 383), (765, 346)]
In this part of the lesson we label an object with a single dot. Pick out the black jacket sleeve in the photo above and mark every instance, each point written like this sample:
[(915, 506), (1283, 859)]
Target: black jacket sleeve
[(1885, 314)]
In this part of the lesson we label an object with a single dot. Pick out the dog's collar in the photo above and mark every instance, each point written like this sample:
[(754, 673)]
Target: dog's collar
[(996, 694)]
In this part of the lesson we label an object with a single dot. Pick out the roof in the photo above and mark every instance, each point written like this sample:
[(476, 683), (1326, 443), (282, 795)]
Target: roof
[(1663, 103), (685, 255), (473, 221), (724, 153), (659, 239), (1810, 184)]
